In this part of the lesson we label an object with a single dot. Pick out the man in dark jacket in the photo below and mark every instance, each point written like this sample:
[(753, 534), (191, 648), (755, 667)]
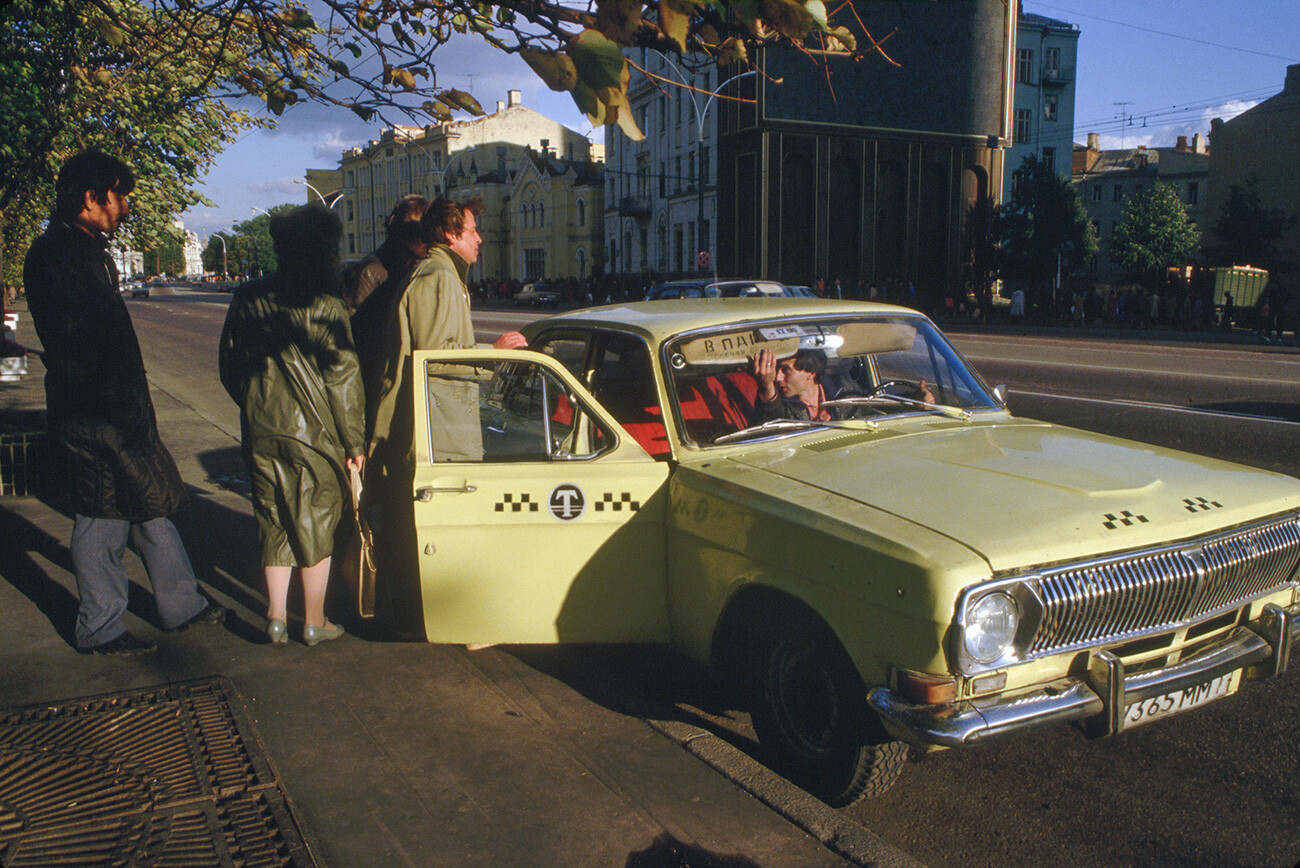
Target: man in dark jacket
[(121, 481)]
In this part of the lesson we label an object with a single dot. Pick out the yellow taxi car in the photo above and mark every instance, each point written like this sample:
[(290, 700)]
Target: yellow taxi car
[(896, 561)]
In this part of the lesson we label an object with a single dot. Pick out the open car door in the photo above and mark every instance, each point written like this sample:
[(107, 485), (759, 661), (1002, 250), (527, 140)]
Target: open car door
[(547, 524)]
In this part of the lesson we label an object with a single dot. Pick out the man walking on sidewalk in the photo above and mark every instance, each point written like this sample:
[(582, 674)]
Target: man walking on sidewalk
[(120, 479)]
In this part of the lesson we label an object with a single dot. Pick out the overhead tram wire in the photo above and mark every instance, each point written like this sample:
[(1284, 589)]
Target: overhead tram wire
[(1077, 14)]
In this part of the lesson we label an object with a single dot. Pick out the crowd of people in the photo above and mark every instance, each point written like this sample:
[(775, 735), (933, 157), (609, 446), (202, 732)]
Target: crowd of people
[(319, 362)]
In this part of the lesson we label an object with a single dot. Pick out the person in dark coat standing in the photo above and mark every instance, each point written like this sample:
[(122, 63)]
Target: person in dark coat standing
[(370, 286), (121, 480), (287, 359)]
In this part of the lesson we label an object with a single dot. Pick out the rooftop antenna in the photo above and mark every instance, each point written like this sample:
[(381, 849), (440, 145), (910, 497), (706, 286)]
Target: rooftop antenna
[(1123, 115)]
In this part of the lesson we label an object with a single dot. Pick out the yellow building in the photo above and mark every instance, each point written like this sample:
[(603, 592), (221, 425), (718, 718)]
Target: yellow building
[(555, 216), (406, 160)]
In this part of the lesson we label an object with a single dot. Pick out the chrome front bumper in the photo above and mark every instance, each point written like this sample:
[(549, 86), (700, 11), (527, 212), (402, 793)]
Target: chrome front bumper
[(1262, 648)]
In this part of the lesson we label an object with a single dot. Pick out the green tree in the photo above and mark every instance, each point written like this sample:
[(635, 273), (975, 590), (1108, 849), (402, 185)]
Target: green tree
[(152, 80), (72, 83), (1153, 234), (1043, 231), (1247, 233)]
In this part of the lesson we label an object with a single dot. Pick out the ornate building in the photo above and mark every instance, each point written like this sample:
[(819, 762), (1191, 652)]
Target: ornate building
[(405, 160)]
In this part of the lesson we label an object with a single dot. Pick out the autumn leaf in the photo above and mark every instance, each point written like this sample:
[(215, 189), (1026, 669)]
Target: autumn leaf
[(553, 67), (674, 24), (458, 99), (788, 17), (618, 19), (732, 51)]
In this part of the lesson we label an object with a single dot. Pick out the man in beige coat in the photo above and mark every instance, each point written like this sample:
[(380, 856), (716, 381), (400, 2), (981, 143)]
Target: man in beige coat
[(432, 313)]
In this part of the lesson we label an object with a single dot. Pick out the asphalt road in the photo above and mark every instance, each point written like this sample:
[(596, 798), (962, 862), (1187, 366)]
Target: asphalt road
[(1218, 786)]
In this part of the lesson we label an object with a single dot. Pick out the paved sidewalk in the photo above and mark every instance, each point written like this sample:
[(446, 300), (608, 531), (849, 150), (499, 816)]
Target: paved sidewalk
[(407, 753)]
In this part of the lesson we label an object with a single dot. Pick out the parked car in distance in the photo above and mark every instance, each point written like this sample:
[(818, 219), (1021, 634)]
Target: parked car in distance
[(538, 294), (905, 564), (137, 289), (13, 355), (718, 289)]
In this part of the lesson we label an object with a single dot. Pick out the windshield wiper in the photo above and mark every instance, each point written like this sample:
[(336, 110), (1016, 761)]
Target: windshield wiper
[(951, 412), (779, 425)]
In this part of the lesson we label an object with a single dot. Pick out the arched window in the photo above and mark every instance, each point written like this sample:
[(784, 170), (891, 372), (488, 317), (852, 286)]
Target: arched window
[(582, 213), (541, 214)]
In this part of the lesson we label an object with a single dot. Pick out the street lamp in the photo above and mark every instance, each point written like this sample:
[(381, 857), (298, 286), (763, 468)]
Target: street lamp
[(327, 203), (702, 255)]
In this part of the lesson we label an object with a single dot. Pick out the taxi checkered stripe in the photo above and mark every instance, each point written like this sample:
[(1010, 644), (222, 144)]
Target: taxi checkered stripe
[(1124, 519), (1200, 504), (625, 500), (525, 501)]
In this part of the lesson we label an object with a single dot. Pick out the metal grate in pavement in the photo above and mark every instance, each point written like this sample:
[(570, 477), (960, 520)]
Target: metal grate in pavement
[(168, 776)]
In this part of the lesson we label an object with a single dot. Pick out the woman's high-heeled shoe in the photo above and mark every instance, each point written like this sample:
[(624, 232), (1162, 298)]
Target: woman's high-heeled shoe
[(315, 635), (277, 631)]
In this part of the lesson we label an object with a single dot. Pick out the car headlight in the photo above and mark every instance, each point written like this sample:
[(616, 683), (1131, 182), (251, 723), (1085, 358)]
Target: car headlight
[(991, 627)]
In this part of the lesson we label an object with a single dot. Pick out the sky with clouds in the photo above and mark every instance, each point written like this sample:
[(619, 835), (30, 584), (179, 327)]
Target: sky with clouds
[(1148, 72)]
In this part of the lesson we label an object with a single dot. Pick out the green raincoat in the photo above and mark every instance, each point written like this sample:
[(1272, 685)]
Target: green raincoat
[(288, 361)]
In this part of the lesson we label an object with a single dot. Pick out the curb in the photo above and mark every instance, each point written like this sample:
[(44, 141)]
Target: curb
[(832, 828)]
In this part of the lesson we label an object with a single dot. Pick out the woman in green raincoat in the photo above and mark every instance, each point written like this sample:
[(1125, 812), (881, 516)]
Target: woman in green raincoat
[(288, 360)]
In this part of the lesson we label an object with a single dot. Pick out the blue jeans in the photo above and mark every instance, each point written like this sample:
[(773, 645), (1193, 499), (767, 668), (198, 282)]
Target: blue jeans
[(102, 582)]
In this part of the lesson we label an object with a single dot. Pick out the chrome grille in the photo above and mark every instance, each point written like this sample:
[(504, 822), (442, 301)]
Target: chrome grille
[(1100, 601)]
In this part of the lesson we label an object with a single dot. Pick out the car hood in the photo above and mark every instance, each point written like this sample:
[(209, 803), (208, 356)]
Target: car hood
[(1022, 493)]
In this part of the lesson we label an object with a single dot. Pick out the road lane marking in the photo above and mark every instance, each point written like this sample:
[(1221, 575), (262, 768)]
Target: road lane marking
[(1101, 369), (1148, 405)]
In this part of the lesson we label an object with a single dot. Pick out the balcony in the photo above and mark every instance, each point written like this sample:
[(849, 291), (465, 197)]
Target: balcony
[(1056, 77), (635, 206)]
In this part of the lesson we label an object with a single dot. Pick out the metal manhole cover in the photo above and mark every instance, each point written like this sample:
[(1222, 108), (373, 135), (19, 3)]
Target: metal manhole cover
[(166, 776)]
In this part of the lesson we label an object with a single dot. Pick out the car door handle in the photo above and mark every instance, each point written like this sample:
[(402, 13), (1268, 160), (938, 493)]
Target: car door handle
[(426, 493)]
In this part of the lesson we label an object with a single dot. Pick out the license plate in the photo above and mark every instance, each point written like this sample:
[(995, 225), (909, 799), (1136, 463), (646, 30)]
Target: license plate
[(1181, 700)]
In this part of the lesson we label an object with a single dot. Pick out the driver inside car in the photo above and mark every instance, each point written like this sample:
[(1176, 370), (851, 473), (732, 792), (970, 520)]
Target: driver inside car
[(794, 388)]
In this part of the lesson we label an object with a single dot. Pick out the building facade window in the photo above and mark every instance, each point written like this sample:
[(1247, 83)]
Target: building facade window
[(1024, 122), (582, 213), (1049, 159), (1193, 193), (1096, 193), (1025, 65), (1052, 62), (534, 263), (1118, 195), (1050, 112)]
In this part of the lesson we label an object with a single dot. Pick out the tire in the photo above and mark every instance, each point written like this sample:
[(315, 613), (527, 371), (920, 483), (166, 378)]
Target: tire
[(810, 712)]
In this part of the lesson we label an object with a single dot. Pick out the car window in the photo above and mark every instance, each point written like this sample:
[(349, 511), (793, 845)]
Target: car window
[(873, 367), (570, 351), (518, 411), (623, 381)]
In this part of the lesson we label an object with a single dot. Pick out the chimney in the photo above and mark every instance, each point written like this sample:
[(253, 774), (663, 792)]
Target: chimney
[(1292, 78), (1094, 141), (1198, 144), (515, 97), (501, 106), (546, 147), (1182, 143)]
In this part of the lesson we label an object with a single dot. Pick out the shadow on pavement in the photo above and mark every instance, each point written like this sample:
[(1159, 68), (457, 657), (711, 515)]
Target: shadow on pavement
[(646, 681)]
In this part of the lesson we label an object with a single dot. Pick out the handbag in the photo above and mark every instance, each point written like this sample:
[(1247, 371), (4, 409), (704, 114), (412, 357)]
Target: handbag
[(357, 560)]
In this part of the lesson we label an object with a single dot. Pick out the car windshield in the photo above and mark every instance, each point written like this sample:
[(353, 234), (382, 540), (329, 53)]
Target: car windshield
[(780, 377)]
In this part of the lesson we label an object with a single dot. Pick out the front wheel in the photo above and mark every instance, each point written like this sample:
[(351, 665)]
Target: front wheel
[(809, 710)]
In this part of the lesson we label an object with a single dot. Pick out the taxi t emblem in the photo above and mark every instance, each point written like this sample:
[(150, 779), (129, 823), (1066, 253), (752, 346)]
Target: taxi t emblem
[(567, 502)]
